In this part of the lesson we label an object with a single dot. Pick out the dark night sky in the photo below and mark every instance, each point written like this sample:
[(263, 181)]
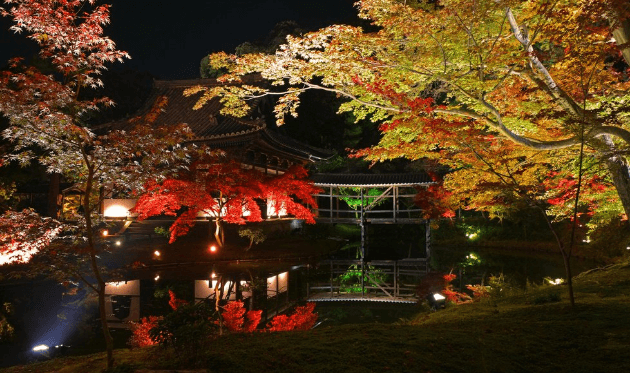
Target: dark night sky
[(168, 40)]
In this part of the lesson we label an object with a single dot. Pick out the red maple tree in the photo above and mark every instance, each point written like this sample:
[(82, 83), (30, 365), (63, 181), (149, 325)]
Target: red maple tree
[(236, 319), (227, 192), (302, 319)]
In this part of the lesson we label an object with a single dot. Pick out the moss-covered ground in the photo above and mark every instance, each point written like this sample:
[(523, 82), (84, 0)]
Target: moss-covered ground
[(528, 331)]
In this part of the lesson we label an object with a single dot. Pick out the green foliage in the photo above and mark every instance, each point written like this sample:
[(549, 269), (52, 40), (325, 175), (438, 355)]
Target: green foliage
[(255, 235), (353, 198), (350, 281), (162, 231), (6, 330), (207, 71)]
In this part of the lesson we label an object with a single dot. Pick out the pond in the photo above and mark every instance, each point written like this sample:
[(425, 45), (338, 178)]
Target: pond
[(48, 313), (518, 266)]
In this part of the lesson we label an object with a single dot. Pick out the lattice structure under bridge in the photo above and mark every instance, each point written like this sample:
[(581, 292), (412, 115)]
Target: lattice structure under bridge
[(359, 280)]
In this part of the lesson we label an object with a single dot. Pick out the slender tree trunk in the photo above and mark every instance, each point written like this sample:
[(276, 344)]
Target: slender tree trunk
[(218, 232), (565, 256), (109, 343), (567, 268)]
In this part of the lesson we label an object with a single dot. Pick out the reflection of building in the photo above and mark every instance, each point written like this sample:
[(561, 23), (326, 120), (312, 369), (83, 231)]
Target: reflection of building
[(122, 303), (128, 301)]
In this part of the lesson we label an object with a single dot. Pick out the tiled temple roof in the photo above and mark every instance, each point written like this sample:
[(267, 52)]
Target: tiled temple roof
[(371, 180), (214, 129)]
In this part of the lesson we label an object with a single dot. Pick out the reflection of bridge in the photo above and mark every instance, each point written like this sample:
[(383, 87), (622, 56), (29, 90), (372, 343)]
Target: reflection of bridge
[(364, 200), (359, 280)]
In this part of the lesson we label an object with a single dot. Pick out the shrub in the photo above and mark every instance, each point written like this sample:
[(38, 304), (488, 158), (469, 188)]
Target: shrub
[(188, 330), (236, 319), (302, 319), (140, 332)]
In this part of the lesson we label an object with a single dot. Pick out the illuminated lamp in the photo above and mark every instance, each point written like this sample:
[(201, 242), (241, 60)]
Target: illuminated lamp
[(157, 253), (40, 348), (105, 233), (213, 249), (118, 243), (436, 301), (157, 277), (116, 211)]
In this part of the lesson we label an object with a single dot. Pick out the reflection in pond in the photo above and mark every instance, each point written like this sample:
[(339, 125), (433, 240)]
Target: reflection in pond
[(272, 289)]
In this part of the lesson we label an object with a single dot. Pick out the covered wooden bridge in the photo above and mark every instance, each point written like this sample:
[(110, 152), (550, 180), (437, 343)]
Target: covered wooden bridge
[(365, 199)]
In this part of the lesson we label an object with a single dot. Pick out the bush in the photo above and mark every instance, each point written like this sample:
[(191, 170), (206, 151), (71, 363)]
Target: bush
[(140, 332), (188, 330), (302, 319)]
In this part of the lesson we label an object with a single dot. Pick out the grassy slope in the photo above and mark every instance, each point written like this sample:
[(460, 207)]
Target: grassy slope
[(512, 334)]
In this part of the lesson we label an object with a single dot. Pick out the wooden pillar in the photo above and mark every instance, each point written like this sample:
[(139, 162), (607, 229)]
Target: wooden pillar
[(331, 204), (363, 239), (396, 278), (427, 240), (395, 205), (331, 279)]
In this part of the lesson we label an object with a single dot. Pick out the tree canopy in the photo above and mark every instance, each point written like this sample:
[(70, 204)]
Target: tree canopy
[(226, 192), (502, 92)]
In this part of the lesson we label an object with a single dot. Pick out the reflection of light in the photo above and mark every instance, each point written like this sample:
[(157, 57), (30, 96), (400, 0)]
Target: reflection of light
[(116, 211), (40, 348), (157, 277), (156, 253), (105, 233), (557, 281), (438, 296), (282, 275), (117, 284)]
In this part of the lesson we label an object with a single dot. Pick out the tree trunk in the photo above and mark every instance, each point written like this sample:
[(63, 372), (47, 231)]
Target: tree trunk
[(620, 174), (622, 37), (109, 342), (100, 289), (567, 268)]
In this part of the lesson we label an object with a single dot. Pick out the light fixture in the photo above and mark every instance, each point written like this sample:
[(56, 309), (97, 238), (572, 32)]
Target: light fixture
[(40, 348), (118, 243), (157, 277), (213, 275), (105, 233), (213, 249), (436, 301), (157, 253)]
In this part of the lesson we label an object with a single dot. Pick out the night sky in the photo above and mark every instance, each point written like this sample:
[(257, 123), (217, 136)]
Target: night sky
[(168, 40)]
